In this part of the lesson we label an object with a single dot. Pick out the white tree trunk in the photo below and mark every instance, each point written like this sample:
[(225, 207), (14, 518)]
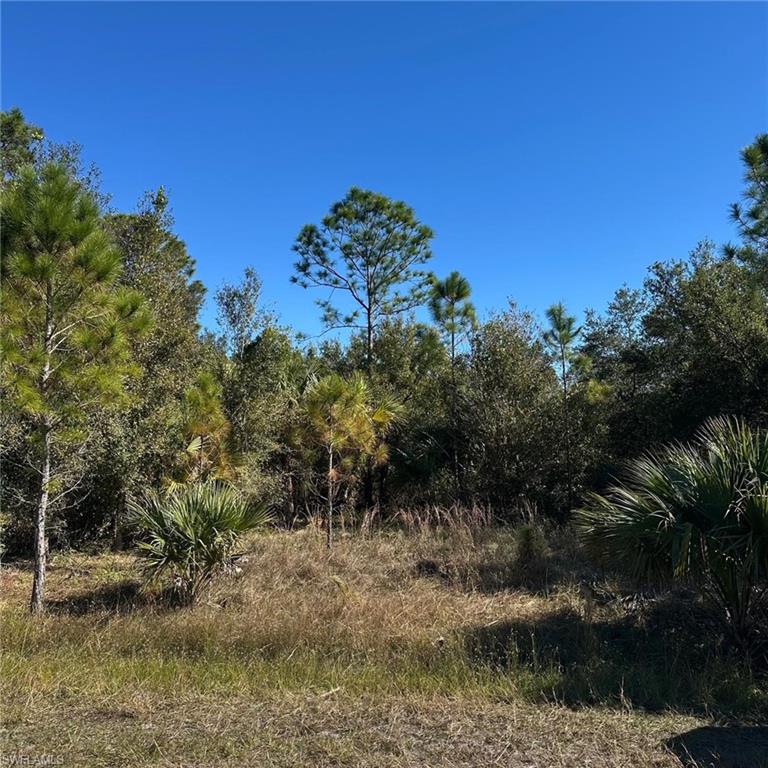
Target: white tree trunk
[(41, 540)]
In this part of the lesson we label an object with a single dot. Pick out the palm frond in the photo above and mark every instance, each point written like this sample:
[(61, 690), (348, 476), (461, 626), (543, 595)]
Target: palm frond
[(192, 531), (697, 511)]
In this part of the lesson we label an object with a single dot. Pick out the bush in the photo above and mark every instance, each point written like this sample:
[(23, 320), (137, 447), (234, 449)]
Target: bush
[(697, 511), (192, 532), (531, 549)]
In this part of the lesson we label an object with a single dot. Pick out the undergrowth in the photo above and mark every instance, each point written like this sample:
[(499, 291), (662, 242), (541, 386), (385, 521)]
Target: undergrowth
[(503, 614)]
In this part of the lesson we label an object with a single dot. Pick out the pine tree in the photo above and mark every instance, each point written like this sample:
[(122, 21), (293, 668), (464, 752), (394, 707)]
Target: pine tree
[(344, 421), (560, 338), (451, 309), (751, 216), (207, 431), (454, 315), (142, 441), (19, 143), (369, 247), (66, 325)]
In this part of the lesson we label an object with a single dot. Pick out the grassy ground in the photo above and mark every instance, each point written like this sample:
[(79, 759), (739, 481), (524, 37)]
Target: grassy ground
[(430, 649)]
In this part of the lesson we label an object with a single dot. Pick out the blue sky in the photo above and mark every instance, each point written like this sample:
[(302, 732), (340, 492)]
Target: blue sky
[(555, 149)]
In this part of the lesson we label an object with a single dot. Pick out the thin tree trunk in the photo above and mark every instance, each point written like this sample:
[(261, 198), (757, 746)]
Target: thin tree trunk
[(368, 483), (454, 451), (383, 496), (329, 521), (41, 541), (566, 417), (369, 344), (368, 475), (117, 522)]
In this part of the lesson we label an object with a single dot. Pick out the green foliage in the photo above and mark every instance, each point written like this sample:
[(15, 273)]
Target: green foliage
[(140, 445), (24, 145), (343, 419), (412, 363), (66, 325), (507, 414), (260, 382), (493, 413), (192, 532), (697, 511), (751, 217), (343, 416), (691, 344), (369, 247), (562, 331), (239, 314), (451, 309), (454, 315), (531, 549), (206, 430), (621, 361), (560, 338), (19, 143), (707, 330)]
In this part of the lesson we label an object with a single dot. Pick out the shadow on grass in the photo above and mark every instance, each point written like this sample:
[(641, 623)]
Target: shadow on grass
[(122, 597), (537, 577), (669, 655), (493, 576), (722, 747)]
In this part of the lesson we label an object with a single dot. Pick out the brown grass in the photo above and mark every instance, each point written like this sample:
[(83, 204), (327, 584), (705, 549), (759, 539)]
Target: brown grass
[(421, 649)]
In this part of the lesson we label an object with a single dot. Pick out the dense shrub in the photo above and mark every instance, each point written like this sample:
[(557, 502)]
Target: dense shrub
[(697, 511), (192, 532)]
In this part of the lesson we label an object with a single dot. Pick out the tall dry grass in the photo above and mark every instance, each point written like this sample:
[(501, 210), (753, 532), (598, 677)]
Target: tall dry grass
[(444, 608)]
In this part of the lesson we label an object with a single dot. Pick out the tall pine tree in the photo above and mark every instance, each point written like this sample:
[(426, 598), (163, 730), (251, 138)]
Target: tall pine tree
[(66, 325)]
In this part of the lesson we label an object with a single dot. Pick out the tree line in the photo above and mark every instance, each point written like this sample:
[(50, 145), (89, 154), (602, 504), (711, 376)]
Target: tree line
[(111, 388)]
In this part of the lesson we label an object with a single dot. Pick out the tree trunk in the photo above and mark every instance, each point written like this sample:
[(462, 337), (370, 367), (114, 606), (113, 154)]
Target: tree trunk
[(41, 541), (368, 484), (383, 496), (368, 475), (329, 521), (369, 344), (290, 504), (454, 447), (566, 418), (117, 522)]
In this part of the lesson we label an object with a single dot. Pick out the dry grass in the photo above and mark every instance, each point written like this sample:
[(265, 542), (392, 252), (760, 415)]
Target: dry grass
[(426, 649), (334, 729)]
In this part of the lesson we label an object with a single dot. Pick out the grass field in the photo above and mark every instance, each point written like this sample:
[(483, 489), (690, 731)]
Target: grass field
[(422, 649)]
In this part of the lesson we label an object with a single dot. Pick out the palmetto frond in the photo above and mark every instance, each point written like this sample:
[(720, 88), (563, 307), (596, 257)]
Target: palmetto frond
[(192, 530), (698, 511)]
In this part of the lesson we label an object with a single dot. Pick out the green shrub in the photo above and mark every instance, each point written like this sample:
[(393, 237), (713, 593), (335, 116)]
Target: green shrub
[(697, 511), (531, 549), (192, 531)]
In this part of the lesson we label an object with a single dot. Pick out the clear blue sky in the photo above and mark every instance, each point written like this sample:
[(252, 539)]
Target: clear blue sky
[(556, 150)]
